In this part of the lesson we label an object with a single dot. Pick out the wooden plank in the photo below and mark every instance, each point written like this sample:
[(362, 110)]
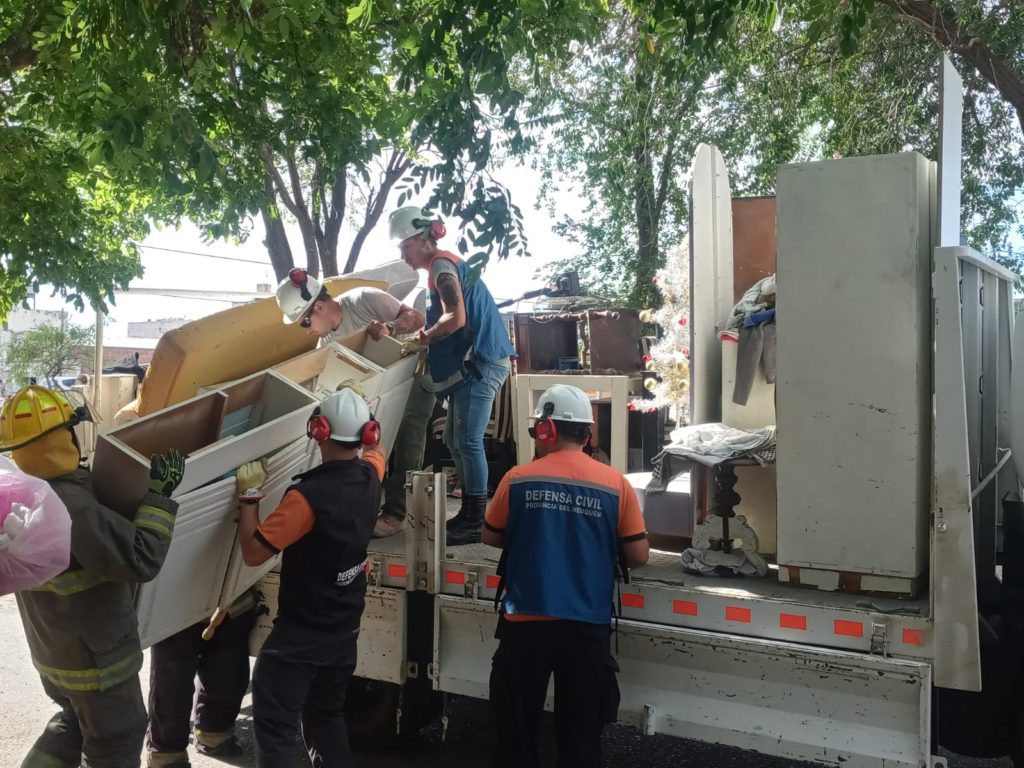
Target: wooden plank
[(753, 245), (304, 368)]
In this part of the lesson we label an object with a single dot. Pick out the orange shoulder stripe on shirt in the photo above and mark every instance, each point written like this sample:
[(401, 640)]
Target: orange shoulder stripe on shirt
[(290, 521)]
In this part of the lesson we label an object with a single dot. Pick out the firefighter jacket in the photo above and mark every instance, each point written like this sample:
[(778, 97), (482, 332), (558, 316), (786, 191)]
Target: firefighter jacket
[(81, 625)]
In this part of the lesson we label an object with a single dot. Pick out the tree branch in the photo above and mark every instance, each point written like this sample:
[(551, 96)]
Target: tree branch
[(277, 180), (948, 34), (16, 51), (397, 165)]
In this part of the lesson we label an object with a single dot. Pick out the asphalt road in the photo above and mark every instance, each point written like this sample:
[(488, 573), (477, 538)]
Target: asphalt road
[(24, 709)]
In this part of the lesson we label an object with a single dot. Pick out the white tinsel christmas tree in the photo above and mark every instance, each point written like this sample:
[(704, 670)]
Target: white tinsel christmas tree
[(670, 355)]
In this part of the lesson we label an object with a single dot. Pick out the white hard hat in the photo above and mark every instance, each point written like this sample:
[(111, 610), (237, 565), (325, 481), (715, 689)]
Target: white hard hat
[(297, 294), (408, 222), (563, 402), (347, 413)]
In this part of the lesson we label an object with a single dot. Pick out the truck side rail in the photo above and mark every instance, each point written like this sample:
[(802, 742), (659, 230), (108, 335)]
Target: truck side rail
[(973, 317)]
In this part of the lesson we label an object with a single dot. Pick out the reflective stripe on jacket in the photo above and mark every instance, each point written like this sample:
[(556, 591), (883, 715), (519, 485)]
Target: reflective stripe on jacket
[(81, 625)]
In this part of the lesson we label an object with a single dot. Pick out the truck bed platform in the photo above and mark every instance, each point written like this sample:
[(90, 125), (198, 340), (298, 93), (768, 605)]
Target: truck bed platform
[(662, 593)]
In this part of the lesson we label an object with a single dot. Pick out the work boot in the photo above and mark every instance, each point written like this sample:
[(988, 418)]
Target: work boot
[(167, 759), (387, 525), (217, 743), (456, 522), (467, 530)]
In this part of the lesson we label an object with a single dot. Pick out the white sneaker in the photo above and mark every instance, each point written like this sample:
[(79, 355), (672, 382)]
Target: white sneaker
[(387, 525)]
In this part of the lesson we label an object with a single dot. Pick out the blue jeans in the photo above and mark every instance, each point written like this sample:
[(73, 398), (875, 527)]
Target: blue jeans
[(469, 410)]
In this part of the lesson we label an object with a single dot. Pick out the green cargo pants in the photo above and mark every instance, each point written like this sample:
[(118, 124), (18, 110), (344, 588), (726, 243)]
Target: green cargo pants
[(410, 443)]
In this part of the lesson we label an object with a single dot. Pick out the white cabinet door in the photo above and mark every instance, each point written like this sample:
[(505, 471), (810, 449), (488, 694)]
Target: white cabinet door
[(188, 587)]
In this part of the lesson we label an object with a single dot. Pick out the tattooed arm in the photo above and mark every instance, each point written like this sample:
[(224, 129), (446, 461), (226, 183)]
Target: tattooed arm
[(452, 301)]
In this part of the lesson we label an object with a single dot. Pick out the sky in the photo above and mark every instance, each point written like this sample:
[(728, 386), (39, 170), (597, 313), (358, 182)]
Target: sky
[(242, 267)]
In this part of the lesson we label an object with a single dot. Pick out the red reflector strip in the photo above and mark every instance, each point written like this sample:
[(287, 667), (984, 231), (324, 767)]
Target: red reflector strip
[(455, 577), (685, 607), (493, 581), (396, 571), (733, 613), (22, 415), (913, 637), (849, 628), (792, 621), (633, 601)]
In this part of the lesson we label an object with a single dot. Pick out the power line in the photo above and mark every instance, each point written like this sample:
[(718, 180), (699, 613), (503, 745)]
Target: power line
[(204, 255)]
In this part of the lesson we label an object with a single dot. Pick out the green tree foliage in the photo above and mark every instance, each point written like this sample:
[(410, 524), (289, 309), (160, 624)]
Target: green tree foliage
[(819, 81), (49, 350), (61, 223), (219, 112)]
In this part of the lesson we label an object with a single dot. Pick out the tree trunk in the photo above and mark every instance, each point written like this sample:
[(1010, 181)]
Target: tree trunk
[(648, 257), (276, 241), (333, 218), (302, 213), (948, 34)]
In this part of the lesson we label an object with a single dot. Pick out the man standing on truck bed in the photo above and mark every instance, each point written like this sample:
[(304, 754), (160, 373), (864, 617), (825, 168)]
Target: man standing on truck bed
[(81, 626), (323, 525), (304, 301), (564, 521)]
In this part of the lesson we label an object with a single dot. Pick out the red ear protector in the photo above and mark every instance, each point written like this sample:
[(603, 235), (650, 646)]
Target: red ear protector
[(544, 431), (370, 433), (318, 428), (299, 279), (436, 227)]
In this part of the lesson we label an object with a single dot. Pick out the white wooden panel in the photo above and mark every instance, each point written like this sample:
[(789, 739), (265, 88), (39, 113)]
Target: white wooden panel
[(711, 278), (954, 586), (389, 408), (281, 468), (188, 587), (760, 408), (951, 113), (854, 362), (529, 387)]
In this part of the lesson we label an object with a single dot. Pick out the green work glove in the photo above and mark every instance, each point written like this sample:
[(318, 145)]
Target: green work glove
[(352, 384), (165, 471)]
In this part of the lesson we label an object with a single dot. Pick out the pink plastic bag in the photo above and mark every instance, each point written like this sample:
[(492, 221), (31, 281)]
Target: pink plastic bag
[(35, 530)]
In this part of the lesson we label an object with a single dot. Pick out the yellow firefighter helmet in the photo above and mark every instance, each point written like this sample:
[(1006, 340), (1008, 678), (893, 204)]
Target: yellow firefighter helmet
[(35, 411)]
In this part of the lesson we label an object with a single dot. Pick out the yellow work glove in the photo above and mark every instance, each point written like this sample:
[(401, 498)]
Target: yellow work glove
[(352, 384), (411, 347), (250, 479)]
